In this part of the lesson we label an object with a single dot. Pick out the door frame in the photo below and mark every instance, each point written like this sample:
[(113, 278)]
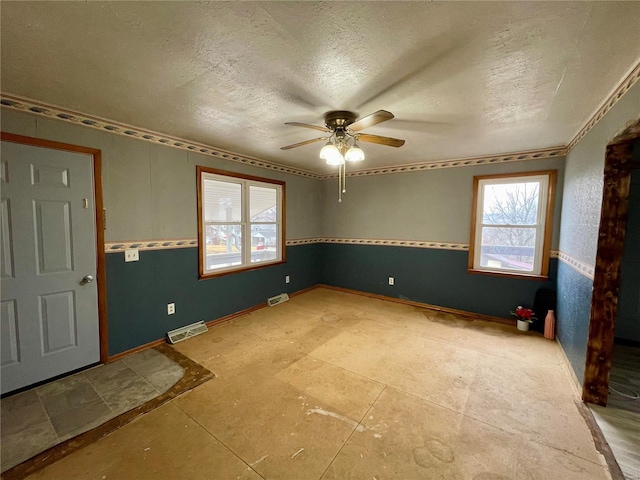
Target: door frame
[(606, 280), (101, 272)]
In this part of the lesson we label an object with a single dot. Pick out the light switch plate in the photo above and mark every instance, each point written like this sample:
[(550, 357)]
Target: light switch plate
[(131, 255)]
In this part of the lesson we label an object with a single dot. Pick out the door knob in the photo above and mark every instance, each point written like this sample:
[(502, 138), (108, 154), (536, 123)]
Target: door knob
[(86, 279)]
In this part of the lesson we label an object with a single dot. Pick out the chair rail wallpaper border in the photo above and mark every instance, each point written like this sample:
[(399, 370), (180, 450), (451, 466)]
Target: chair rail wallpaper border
[(397, 243), (118, 247), (581, 267)]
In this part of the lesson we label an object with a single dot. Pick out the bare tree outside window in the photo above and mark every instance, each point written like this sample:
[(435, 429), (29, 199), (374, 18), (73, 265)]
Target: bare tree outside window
[(509, 217), (511, 223)]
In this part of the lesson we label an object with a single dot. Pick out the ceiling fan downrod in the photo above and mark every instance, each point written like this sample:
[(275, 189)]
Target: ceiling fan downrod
[(344, 129)]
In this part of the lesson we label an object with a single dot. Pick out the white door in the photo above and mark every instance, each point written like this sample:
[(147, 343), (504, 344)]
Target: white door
[(49, 314)]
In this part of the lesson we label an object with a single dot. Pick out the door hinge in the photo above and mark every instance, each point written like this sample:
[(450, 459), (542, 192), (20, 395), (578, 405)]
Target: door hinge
[(104, 218)]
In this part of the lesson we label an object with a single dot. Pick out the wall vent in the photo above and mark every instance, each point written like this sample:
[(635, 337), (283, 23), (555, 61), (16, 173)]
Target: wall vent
[(189, 331), (273, 301)]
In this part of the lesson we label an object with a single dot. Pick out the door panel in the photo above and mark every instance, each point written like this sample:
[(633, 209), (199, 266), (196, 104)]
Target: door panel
[(52, 175), (6, 256), (53, 236), (49, 319), (58, 321), (3, 171), (9, 332)]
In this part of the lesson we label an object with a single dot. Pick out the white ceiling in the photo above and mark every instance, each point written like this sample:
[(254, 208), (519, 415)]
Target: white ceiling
[(462, 78)]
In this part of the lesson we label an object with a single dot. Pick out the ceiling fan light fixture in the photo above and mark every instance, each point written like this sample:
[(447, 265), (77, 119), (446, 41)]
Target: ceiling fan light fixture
[(342, 145), (331, 154), (335, 161), (354, 154)]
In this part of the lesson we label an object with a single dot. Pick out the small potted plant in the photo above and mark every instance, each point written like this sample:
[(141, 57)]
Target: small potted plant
[(524, 316)]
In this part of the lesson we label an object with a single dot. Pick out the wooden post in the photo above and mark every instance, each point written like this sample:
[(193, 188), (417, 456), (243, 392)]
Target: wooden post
[(606, 282)]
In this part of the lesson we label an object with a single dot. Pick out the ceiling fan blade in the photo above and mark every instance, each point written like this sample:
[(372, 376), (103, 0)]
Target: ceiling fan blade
[(417, 70), (424, 126), (306, 125), (371, 120), (390, 142), (306, 142)]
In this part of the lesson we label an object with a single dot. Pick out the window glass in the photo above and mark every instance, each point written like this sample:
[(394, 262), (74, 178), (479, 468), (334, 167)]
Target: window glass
[(264, 228), (263, 204), (240, 221), (511, 203), (508, 248), (222, 201), (512, 215), (224, 246)]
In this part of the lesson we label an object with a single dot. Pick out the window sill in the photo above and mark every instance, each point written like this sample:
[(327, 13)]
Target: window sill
[(523, 276), (206, 276)]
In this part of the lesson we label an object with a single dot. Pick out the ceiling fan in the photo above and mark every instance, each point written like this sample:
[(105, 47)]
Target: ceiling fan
[(342, 144), (344, 128)]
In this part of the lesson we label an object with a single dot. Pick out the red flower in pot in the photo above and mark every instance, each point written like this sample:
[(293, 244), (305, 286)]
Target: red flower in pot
[(524, 314)]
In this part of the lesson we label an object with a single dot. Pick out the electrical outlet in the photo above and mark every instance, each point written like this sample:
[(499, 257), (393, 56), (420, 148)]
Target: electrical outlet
[(171, 308), (286, 279), (131, 255), (391, 281)]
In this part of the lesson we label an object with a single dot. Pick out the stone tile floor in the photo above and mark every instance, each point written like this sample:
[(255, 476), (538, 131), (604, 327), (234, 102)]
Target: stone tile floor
[(37, 419), (333, 385)]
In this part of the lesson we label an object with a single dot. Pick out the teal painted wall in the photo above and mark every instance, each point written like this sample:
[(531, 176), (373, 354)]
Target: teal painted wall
[(582, 201), (572, 315), (436, 277), (138, 292)]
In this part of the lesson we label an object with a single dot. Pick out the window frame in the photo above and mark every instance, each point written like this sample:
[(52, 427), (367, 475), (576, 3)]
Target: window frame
[(246, 181), (543, 252)]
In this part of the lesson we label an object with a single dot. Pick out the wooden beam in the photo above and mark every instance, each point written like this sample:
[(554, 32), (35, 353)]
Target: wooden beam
[(606, 282)]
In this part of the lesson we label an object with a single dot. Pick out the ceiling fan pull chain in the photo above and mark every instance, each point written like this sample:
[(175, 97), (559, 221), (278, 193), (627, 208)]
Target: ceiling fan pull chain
[(342, 143), (344, 178)]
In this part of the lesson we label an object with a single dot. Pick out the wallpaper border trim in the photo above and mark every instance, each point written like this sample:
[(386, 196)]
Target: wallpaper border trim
[(609, 101), (459, 162), (115, 247), (583, 268), (27, 105), (24, 104), (396, 243)]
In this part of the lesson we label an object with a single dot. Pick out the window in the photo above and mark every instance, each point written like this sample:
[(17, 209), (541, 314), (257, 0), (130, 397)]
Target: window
[(511, 223), (240, 222)]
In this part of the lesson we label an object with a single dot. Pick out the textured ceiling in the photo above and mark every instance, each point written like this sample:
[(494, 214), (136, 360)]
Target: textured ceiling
[(462, 78)]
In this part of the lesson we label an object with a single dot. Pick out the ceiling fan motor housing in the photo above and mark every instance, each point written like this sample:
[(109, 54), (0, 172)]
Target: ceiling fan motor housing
[(339, 119)]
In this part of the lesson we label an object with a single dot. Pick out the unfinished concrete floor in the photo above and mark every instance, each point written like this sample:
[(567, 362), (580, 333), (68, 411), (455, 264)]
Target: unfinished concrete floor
[(335, 386)]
